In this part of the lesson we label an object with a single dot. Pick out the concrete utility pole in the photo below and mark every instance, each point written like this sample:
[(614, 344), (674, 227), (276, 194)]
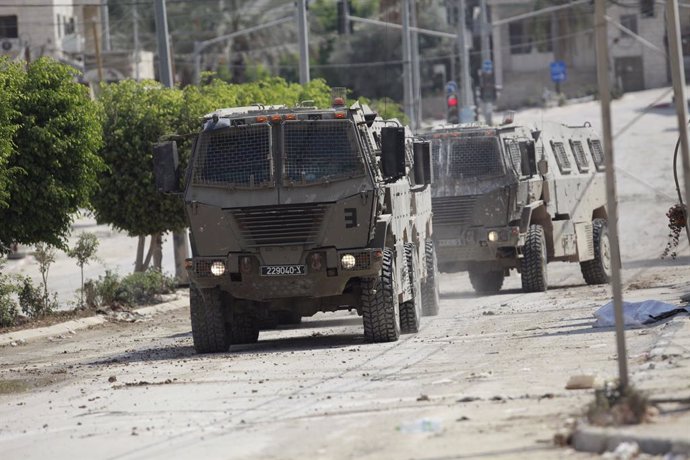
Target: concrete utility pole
[(105, 25), (180, 243), (416, 72), (466, 99), (303, 30), (612, 204), (678, 77), (487, 106), (408, 92)]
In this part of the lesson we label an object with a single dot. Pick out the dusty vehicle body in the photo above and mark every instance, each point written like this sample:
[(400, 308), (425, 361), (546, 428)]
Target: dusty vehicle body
[(514, 197), (294, 211)]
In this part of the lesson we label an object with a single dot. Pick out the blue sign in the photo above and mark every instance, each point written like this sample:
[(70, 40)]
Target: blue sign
[(451, 87), (488, 66), (558, 71)]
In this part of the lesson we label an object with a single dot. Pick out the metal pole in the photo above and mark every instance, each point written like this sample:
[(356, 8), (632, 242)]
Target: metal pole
[(678, 77), (487, 106), (135, 31), (197, 62), (97, 49), (416, 72), (605, 96), (164, 67), (105, 25), (180, 240), (303, 27), (408, 96), (466, 110)]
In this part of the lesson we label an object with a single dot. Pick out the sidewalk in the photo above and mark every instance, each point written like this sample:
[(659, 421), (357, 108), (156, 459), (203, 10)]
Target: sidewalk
[(69, 327), (664, 374)]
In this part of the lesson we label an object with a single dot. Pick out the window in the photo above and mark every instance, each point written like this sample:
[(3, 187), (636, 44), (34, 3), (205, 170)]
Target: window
[(561, 157), (8, 27), (468, 157), (580, 156), (597, 153), (629, 21), (526, 35), (519, 38), (513, 149), (69, 26)]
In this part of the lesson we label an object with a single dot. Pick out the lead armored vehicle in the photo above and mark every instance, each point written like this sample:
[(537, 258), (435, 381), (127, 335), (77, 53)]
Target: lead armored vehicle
[(294, 211), (516, 197)]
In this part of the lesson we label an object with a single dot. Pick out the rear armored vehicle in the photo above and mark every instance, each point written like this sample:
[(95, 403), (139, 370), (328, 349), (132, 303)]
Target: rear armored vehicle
[(294, 211), (515, 197)]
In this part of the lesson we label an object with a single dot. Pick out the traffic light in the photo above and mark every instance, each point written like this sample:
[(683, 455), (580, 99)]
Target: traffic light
[(452, 114)]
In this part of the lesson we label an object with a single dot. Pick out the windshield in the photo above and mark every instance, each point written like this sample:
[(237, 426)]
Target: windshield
[(467, 157), (320, 150), (239, 157)]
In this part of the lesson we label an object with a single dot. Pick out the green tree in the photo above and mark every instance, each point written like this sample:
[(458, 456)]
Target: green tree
[(84, 251), (11, 79), (54, 161), (136, 115)]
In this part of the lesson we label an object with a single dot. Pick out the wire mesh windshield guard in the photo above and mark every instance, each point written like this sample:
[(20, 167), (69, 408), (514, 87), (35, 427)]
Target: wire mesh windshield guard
[(320, 150), (467, 157), (239, 156)]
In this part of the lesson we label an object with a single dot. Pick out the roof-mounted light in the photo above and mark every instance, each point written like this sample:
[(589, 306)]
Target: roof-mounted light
[(261, 119)]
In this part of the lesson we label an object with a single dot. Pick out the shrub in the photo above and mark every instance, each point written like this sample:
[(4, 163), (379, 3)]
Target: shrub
[(8, 306), (33, 302), (139, 288)]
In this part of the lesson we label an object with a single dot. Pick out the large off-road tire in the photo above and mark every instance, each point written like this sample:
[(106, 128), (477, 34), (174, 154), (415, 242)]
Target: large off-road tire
[(411, 311), (430, 299), (487, 282), (380, 313), (243, 329), (598, 270), (534, 275), (209, 330)]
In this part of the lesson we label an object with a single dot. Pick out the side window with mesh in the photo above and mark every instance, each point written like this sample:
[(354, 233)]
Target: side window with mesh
[(561, 157), (580, 156), (513, 150), (597, 153)]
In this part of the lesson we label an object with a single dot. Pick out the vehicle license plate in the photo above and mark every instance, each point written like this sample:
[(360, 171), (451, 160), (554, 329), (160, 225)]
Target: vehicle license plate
[(282, 270), (454, 242)]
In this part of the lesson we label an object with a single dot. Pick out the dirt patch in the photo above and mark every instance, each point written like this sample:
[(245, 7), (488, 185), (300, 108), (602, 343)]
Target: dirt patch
[(13, 386), (49, 320)]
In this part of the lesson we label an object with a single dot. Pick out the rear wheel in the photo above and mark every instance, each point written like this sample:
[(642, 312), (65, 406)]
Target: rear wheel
[(411, 311), (598, 270), (487, 282), (534, 260), (209, 331), (380, 313), (430, 300)]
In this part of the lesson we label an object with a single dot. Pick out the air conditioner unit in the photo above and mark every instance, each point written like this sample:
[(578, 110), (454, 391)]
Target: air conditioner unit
[(73, 44), (9, 45)]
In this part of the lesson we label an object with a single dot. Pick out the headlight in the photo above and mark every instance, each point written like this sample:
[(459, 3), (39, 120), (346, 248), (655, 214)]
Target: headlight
[(348, 261), (217, 268), (493, 236)]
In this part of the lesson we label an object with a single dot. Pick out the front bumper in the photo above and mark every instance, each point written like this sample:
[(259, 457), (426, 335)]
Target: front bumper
[(465, 246), (244, 280)]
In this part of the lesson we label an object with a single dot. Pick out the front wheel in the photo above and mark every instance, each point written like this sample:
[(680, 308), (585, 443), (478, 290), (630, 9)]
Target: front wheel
[(430, 299), (380, 313), (411, 311), (534, 260), (243, 329), (598, 270), (209, 331), (489, 282)]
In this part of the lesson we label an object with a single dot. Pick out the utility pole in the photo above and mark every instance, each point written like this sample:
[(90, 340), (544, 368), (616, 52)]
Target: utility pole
[(166, 77), (486, 56), (105, 25), (303, 28), (466, 109), (678, 77), (611, 202), (97, 50), (408, 93), (416, 72), (135, 31)]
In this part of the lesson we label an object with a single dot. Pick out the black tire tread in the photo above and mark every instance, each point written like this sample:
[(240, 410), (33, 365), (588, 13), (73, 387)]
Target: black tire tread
[(593, 270), (410, 311), (244, 329), (533, 264), (209, 331), (380, 305)]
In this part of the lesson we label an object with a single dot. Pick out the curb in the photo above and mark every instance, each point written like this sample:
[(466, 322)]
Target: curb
[(68, 327), (600, 440)]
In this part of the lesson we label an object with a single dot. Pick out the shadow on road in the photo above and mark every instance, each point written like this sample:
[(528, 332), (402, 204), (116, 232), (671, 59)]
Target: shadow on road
[(316, 341), (350, 321)]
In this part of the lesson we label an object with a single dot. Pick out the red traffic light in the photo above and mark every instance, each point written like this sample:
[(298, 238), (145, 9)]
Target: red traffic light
[(452, 100)]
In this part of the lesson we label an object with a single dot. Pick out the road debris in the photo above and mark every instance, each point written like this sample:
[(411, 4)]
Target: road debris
[(637, 314), (580, 382), (422, 425)]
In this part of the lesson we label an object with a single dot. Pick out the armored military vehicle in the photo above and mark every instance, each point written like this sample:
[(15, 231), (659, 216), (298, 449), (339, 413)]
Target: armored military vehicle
[(515, 197), (300, 210)]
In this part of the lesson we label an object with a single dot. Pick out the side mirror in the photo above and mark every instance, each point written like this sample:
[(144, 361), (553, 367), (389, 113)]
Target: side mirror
[(422, 163), (528, 158), (166, 167), (393, 152)]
